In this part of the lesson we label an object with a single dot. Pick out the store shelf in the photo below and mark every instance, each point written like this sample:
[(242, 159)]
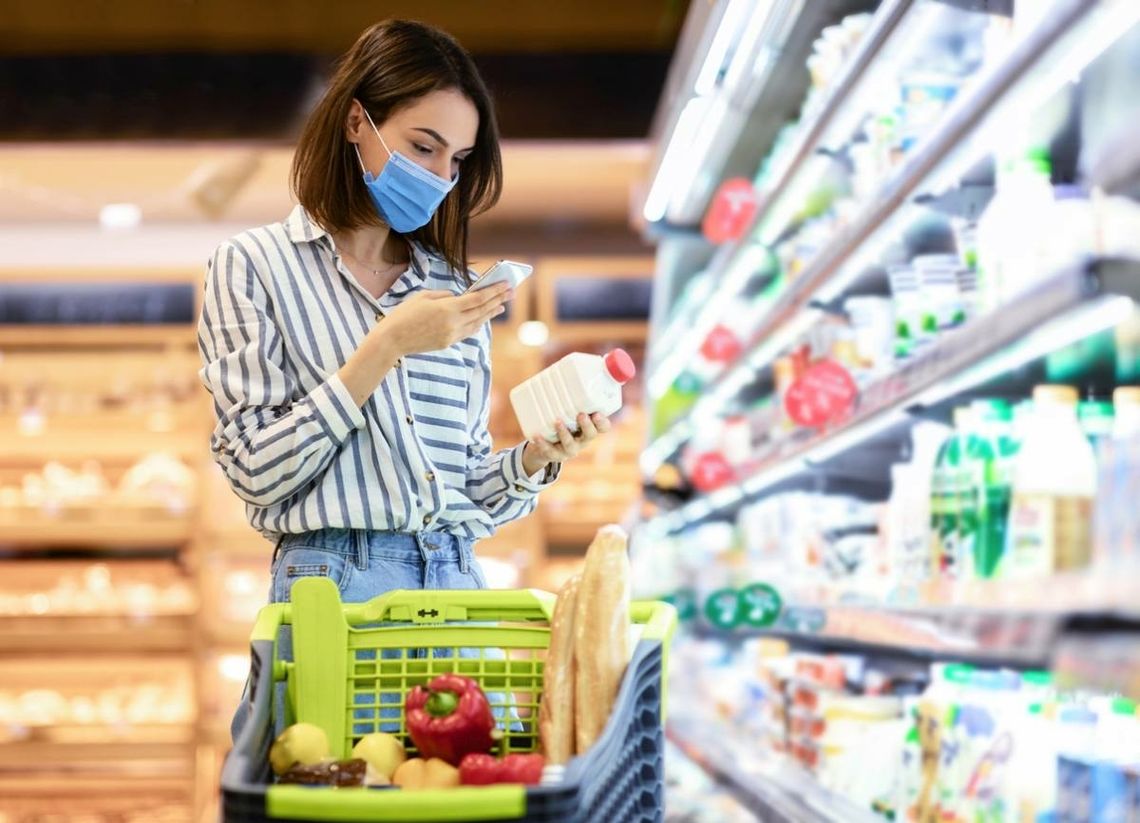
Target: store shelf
[(1102, 293), (807, 141), (944, 147), (95, 634), (990, 622), (172, 336), (129, 442), (173, 758), (779, 790), (89, 527), (1109, 664)]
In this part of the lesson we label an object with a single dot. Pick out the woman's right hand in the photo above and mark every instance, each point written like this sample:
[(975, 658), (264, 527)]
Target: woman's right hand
[(434, 320)]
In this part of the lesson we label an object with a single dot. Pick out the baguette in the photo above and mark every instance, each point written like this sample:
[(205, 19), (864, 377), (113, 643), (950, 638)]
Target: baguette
[(556, 714), (601, 634)]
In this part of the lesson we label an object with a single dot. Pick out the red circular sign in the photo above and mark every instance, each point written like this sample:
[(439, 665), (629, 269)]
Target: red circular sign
[(730, 215), (823, 394)]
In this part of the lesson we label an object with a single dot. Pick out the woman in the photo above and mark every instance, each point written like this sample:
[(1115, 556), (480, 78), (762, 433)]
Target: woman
[(349, 370)]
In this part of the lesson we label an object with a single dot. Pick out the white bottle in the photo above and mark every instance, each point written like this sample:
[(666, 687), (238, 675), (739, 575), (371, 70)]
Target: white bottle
[(579, 383), (1116, 462), (1012, 228), (1054, 483)]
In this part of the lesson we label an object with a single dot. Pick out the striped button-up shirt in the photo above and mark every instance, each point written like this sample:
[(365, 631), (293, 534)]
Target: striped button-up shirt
[(281, 314)]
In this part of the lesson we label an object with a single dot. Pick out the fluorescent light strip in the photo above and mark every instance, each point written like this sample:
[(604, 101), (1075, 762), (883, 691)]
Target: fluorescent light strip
[(1070, 328), (727, 29), (676, 155), (743, 62), (711, 123)]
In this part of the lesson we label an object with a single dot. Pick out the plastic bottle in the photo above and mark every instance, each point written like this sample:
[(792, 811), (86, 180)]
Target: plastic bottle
[(1113, 533), (1054, 483), (578, 383), (1096, 418), (946, 496), (1010, 229), (988, 465)]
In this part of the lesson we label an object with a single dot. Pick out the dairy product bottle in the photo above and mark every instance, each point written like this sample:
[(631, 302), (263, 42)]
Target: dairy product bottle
[(1054, 483), (946, 496), (987, 464), (1116, 468), (578, 383)]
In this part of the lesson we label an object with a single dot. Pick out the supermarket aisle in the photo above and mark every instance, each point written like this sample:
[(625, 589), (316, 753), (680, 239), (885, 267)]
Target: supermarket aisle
[(692, 796), (895, 407)]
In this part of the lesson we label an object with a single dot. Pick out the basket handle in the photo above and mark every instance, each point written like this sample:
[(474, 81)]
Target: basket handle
[(441, 606), (658, 617)]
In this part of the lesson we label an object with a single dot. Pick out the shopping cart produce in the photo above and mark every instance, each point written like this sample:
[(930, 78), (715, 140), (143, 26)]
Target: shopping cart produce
[(353, 665)]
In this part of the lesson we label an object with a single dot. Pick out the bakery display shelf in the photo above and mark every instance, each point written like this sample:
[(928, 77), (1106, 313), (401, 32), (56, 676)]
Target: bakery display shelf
[(949, 143), (1064, 309), (95, 634), (149, 527), (133, 756), (75, 445), (158, 337), (780, 791)]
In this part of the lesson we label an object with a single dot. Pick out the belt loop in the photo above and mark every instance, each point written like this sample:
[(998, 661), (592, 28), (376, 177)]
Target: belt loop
[(425, 552), (361, 541), (277, 548), (464, 549)]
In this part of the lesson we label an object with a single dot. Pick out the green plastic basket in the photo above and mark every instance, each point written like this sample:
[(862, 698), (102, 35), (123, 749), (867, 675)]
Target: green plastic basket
[(354, 663)]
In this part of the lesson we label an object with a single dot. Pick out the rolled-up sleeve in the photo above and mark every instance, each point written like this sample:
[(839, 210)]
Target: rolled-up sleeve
[(497, 481), (270, 443)]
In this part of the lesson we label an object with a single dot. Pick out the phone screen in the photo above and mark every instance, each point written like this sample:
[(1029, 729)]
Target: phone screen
[(505, 271)]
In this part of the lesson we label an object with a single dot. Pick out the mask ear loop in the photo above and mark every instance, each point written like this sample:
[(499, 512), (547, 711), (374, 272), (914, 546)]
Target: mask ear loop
[(359, 157)]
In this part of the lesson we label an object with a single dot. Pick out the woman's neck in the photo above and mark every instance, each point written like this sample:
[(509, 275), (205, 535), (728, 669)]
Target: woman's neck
[(373, 246)]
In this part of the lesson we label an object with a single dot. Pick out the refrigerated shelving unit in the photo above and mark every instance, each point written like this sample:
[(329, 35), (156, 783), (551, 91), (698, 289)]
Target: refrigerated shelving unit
[(1084, 625)]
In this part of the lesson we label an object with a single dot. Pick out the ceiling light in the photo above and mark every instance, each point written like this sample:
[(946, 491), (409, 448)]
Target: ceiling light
[(120, 216), (534, 333)]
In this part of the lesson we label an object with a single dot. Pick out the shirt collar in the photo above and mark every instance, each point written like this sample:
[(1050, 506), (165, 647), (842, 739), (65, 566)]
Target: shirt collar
[(301, 228)]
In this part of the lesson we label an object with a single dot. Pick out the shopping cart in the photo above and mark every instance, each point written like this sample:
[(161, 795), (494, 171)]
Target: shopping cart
[(353, 664)]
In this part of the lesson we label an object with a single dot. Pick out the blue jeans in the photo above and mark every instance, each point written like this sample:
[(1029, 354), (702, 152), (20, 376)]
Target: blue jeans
[(364, 564)]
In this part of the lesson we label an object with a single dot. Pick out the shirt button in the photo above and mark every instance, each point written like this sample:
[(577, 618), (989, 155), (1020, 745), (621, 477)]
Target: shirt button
[(427, 519), (408, 418), (379, 317), (519, 488), (430, 477)]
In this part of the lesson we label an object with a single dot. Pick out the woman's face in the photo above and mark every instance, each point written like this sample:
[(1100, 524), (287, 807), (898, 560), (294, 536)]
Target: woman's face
[(437, 131)]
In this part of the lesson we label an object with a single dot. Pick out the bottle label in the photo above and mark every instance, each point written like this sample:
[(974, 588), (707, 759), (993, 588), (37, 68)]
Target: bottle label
[(1048, 533)]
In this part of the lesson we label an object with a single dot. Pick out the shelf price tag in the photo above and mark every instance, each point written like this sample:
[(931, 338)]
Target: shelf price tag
[(823, 394), (760, 605), (723, 609)]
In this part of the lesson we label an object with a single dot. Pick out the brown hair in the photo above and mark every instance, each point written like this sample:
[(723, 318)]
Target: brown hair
[(391, 65)]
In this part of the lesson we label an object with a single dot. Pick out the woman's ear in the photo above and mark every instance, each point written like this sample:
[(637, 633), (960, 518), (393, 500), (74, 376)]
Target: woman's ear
[(355, 122)]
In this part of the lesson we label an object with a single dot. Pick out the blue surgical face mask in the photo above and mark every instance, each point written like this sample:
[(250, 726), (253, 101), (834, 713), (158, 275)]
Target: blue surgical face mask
[(405, 193)]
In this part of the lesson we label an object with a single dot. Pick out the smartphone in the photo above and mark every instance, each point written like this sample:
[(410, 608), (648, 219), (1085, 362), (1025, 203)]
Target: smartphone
[(505, 271)]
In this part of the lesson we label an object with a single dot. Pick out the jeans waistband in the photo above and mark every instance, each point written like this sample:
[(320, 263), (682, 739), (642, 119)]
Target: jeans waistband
[(362, 544)]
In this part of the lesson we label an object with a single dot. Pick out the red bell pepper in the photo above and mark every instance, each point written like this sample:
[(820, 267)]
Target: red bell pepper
[(485, 770), (449, 719)]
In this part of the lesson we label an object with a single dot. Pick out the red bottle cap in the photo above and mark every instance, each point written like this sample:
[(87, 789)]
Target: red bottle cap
[(620, 366)]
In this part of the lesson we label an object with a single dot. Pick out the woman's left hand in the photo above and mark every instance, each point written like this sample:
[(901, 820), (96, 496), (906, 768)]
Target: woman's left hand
[(540, 452)]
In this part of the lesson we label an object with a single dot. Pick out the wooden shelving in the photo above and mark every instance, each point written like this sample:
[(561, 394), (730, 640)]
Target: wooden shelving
[(95, 634), (89, 527)]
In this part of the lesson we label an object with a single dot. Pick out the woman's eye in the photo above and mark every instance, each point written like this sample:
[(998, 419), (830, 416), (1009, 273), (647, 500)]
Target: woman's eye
[(421, 148)]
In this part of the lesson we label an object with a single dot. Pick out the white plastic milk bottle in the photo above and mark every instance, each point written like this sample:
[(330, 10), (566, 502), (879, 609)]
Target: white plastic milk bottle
[(579, 383), (1054, 483)]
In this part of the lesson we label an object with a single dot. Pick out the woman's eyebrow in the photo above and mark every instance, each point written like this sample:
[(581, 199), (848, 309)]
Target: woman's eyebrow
[(435, 135)]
